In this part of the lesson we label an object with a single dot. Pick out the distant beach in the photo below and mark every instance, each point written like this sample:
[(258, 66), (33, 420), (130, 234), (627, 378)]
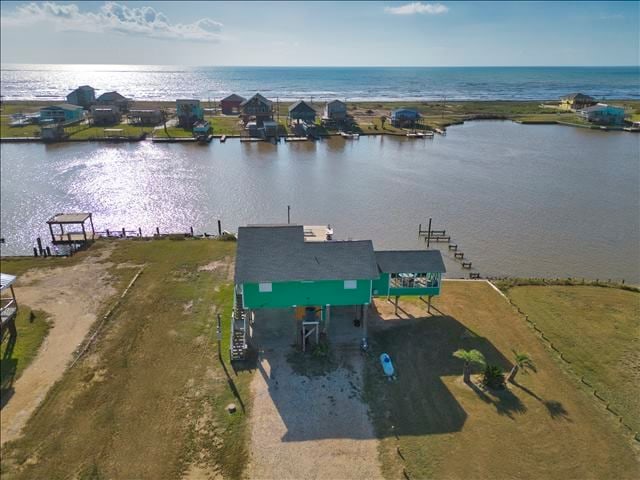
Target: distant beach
[(166, 83)]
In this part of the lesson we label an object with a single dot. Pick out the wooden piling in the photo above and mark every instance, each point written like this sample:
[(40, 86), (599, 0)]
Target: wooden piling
[(124, 233), (139, 231), (107, 233), (48, 251), (39, 242), (191, 230), (429, 233), (158, 231), (35, 252), (219, 228)]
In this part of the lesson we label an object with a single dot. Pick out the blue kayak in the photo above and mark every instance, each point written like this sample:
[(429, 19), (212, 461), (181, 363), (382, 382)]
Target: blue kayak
[(387, 366)]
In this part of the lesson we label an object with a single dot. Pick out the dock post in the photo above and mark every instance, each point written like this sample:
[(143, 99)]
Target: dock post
[(35, 252), (429, 233), (139, 231), (219, 228), (39, 241), (107, 233), (48, 251), (158, 231), (191, 229), (288, 214), (419, 229), (124, 233)]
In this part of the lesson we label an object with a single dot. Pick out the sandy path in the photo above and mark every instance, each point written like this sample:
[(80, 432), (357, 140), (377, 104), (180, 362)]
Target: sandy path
[(310, 427), (72, 297)]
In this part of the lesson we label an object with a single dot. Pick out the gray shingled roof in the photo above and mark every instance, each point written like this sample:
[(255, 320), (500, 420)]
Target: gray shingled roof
[(110, 97), (259, 97), (301, 106), (233, 98), (279, 253), (578, 96), (410, 261)]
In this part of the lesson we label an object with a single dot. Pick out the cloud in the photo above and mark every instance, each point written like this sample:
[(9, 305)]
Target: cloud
[(418, 7), (114, 17)]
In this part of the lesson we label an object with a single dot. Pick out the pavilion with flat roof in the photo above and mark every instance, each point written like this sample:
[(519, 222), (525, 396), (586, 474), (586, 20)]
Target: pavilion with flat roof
[(63, 220)]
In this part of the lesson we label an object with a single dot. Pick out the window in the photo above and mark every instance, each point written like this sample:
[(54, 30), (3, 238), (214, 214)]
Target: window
[(265, 287), (350, 284)]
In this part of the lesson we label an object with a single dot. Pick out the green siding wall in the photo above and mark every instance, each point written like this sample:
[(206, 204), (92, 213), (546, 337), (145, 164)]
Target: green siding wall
[(287, 294), (381, 285)]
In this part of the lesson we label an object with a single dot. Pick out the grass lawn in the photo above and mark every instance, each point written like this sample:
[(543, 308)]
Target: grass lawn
[(598, 330), (148, 401), (223, 125), (16, 354), (173, 132), (6, 130), (86, 132), (546, 426)]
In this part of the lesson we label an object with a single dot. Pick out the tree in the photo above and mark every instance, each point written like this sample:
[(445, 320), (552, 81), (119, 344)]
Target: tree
[(521, 361), (469, 357), (165, 115), (383, 119)]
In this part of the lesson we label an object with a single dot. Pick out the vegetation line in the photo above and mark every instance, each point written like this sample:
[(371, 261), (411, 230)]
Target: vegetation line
[(106, 317)]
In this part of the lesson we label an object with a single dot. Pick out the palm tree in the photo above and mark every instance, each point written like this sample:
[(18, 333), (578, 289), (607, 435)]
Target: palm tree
[(522, 361), (469, 357)]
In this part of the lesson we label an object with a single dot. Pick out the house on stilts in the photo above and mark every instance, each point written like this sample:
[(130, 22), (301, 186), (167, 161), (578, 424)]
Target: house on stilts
[(309, 278)]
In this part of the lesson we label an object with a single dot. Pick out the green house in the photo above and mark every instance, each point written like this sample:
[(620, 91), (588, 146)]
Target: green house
[(284, 266)]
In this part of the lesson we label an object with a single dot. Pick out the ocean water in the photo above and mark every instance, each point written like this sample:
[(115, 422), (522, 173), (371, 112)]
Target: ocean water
[(51, 82), (522, 200)]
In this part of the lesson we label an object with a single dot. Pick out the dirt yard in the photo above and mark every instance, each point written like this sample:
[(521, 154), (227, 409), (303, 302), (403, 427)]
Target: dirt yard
[(72, 297), (309, 426)]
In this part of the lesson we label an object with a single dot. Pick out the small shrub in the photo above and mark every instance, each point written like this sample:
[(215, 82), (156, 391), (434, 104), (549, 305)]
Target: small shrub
[(493, 377), (321, 350)]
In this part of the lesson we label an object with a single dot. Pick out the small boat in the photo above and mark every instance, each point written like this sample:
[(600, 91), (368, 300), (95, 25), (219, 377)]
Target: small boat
[(351, 136), (387, 366), (441, 131), (223, 138)]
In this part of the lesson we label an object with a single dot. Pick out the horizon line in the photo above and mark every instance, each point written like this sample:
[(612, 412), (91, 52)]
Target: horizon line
[(329, 66)]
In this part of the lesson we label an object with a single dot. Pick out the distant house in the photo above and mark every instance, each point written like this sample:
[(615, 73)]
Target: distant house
[(302, 111), (257, 107), (62, 113), (576, 101), (404, 117), (189, 112), (84, 96), (105, 114), (231, 105), (114, 98), (603, 114), (145, 117), (335, 110)]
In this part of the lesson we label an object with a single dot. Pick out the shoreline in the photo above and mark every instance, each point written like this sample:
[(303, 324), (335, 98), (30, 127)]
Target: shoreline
[(367, 115)]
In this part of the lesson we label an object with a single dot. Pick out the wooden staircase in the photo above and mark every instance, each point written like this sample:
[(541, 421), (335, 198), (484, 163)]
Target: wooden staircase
[(238, 346)]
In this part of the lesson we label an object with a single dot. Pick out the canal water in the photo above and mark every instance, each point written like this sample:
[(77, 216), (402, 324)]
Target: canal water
[(520, 200)]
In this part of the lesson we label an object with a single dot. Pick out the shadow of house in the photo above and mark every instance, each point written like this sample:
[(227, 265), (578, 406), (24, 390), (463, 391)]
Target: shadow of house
[(418, 402)]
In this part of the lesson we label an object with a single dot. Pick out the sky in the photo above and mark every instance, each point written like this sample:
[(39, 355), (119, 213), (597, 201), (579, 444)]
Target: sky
[(322, 33)]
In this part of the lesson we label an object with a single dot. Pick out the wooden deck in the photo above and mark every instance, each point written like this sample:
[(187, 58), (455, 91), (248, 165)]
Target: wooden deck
[(73, 237)]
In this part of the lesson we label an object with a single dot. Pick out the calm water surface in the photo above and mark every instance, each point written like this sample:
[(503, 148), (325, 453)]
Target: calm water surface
[(519, 200), (149, 82)]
